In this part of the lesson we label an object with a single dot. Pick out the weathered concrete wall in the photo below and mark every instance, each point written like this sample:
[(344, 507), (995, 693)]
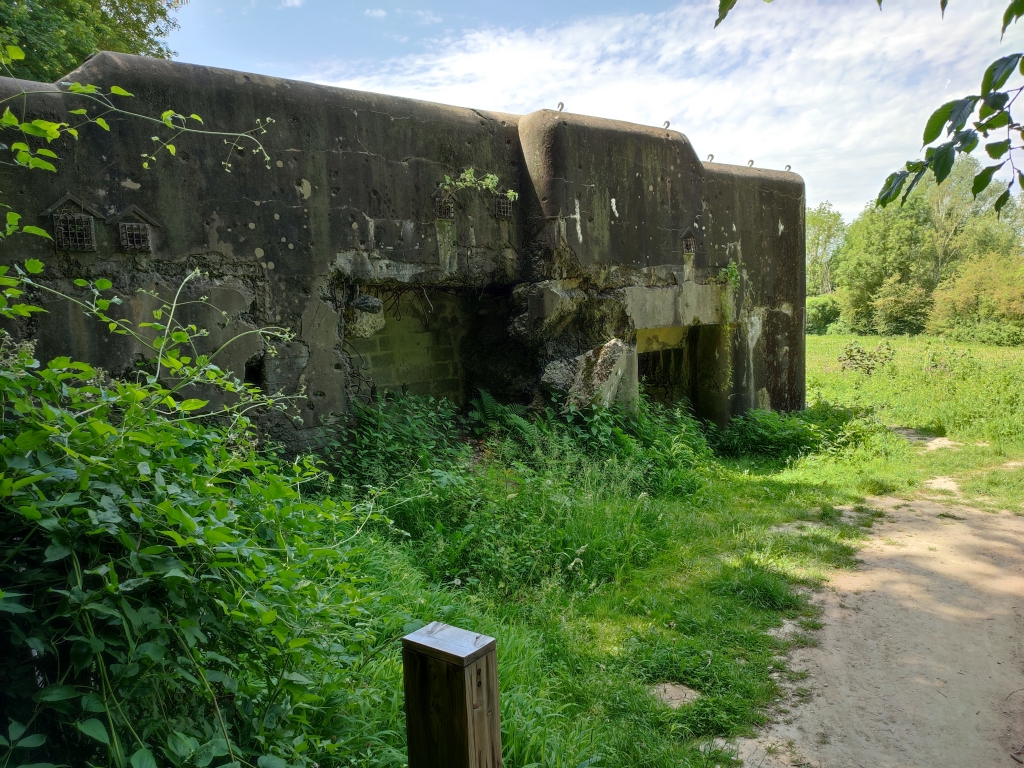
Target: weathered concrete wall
[(619, 232)]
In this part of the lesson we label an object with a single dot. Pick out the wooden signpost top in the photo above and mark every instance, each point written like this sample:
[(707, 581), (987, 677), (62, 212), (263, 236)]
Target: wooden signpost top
[(449, 644)]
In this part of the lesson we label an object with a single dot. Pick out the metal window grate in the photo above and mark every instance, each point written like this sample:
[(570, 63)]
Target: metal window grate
[(689, 244), (134, 237), (445, 209), (74, 232), (502, 207)]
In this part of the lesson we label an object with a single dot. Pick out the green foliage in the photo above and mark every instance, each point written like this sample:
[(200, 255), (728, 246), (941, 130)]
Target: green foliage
[(865, 361), (983, 302), (30, 149), (826, 231), (474, 524), (822, 428), (468, 180), (899, 308), (165, 590), (62, 33), (822, 312), (894, 258)]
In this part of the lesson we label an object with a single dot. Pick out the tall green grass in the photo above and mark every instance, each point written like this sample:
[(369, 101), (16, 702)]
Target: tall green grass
[(606, 551), (965, 391)]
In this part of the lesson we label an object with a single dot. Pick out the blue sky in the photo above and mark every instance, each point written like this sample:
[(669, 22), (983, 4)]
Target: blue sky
[(835, 88)]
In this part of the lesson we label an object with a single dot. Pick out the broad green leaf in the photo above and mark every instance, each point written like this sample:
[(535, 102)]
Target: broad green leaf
[(8, 118), (1002, 200), (992, 104), (10, 607), (102, 123), (998, 120), (268, 617), (95, 729), (891, 188), (996, 150), (33, 266), (181, 745), (117, 90), (960, 112), (724, 6), (42, 165), (998, 72), (933, 129), (16, 730), (942, 161), (57, 693), (192, 404), (1013, 12), (272, 761), (46, 152), (33, 230), (172, 149), (143, 758), (14, 53), (31, 742), (56, 552), (103, 284)]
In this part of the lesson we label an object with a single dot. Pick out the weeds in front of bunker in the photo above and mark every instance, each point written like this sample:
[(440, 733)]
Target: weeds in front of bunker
[(607, 551)]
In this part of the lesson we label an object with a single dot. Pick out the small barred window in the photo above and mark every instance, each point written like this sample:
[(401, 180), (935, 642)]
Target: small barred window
[(502, 207), (74, 231), (134, 237), (689, 244), (445, 209)]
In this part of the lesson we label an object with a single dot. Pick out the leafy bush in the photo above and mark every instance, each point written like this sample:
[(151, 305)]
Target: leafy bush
[(900, 308), (824, 427), (822, 311), (866, 361), (170, 597), (983, 302)]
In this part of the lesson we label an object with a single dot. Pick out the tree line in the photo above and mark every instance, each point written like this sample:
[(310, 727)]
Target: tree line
[(945, 262)]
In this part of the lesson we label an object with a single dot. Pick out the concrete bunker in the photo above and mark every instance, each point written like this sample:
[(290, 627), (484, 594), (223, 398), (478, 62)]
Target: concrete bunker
[(624, 262)]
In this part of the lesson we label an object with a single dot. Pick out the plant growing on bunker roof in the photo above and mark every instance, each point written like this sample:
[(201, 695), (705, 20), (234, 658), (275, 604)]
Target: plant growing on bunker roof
[(468, 180)]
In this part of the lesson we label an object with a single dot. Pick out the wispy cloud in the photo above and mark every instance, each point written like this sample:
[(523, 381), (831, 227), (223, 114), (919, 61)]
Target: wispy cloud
[(291, 3), (421, 17), (838, 90), (376, 13)]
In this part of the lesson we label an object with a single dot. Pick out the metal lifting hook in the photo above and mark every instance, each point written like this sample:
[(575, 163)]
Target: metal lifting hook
[(711, 158), (666, 123), (750, 163), (561, 106)]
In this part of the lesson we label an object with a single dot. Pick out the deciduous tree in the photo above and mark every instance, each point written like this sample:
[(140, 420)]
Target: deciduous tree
[(62, 33)]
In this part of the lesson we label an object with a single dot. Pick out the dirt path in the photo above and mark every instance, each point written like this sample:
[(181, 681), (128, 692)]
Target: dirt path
[(921, 660)]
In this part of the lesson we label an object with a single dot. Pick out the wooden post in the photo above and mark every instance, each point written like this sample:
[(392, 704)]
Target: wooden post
[(451, 698)]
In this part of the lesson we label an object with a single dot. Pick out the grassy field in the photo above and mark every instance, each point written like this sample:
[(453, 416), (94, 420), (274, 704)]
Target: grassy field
[(971, 394)]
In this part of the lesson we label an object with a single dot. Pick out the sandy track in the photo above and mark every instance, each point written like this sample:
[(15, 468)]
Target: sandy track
[(921, 660)]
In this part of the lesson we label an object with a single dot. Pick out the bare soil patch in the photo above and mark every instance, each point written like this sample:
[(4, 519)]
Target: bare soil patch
[(921, 660), (675, 694)]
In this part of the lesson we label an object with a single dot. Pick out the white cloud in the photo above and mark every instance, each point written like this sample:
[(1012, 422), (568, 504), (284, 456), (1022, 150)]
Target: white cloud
[(376, 13), (422, 17), (838, 90), (291, 3)]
